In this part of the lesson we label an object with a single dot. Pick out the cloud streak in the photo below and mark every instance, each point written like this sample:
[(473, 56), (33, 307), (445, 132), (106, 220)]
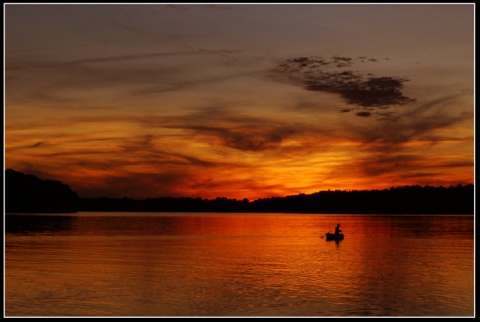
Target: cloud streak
[(403, 149), (120, 76)]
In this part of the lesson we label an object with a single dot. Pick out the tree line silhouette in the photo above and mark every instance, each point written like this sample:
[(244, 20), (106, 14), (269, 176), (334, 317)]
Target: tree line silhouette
[(26, 193), (401, 200)]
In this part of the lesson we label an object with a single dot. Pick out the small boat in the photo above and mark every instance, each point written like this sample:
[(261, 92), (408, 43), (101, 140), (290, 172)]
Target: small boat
[(331, 236)]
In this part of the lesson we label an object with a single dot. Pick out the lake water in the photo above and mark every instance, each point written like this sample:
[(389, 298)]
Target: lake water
[(202, 264)]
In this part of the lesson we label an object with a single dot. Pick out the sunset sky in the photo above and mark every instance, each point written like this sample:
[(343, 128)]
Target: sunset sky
[(239, 101)]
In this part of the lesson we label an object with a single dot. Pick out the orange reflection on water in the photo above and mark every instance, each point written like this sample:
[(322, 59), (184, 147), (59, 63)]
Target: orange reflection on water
[(243, 264)]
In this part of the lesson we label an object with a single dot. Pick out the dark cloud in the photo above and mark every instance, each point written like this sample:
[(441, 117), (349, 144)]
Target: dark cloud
[(247, 137), (362, 113), (237, 131), (366, 93)]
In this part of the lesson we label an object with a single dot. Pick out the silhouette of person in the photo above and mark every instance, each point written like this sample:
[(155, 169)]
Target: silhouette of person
[(338, 231)]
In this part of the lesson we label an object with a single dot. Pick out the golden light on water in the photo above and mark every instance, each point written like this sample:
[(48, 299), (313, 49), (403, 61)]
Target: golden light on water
[(144, 264)]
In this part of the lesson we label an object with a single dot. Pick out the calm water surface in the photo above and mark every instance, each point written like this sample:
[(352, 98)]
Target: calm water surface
[(200, 264)]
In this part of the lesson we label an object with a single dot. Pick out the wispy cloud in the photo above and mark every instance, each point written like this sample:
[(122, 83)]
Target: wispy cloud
[(117, 76), (404, 148), (120, 58)]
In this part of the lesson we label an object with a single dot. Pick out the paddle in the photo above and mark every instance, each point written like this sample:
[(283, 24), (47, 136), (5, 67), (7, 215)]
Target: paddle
[(326, 233)]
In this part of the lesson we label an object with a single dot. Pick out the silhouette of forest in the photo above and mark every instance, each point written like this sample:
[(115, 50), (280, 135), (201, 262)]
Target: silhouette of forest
[(402, 200), (26, 193)]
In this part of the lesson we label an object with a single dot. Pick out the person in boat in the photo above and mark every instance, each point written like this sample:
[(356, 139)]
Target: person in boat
[(338, 231)]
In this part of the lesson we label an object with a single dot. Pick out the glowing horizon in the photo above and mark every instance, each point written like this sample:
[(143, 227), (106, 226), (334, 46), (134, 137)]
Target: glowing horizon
[(247, 101)]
